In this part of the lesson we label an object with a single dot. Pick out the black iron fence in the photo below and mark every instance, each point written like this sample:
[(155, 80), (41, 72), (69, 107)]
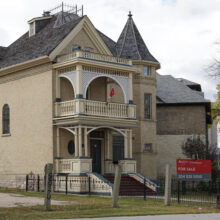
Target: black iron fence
[(181, 191)]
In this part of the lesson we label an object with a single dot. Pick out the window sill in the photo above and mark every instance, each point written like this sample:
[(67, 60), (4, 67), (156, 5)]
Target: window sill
[(6, 135)]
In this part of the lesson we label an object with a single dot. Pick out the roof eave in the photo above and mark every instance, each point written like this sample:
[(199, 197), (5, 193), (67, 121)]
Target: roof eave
[(145, 62), (24, 65)]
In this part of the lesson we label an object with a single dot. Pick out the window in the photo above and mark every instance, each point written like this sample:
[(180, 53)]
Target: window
[(148, 148), (6, 119), (146, 71), (71, 147), (147, 106), (75, 47), (32, 29), (118, 148)]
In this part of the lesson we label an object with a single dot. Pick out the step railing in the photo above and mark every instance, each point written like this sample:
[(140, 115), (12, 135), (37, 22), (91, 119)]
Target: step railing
[(140, 178), (95, 108)]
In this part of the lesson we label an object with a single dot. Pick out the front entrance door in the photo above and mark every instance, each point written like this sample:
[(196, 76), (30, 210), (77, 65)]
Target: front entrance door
[(95, 149)]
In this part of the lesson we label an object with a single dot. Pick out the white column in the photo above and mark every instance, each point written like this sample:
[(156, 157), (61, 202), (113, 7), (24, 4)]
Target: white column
[(108, 144), (130, 143), (58, 142), (79, 91), (86, 142), (76, 143), (126, 144), (130, 87), (57, 86), (80, 141)]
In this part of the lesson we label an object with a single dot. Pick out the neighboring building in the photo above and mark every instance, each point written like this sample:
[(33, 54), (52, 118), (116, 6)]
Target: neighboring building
[(55, 83), (182, 112)]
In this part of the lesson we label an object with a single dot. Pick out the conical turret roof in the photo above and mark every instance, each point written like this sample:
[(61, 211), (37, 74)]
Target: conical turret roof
[(131, 45)]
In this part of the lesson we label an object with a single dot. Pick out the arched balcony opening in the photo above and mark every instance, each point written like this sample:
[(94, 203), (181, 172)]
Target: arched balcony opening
[(105, 89), (66, 89)]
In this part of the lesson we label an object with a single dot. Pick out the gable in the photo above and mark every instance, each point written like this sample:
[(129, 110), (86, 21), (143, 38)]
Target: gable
[(85, 29), (83, 40)]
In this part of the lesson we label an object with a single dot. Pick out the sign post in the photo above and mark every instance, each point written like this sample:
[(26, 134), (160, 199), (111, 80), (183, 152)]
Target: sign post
[(48, 183), (193, 170)]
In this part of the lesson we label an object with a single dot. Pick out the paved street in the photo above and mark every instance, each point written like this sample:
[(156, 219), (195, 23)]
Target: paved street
[(163, 217)]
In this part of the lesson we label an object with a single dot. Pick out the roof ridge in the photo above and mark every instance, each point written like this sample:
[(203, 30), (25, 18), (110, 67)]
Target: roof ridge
[(132, 27), (126, 28)]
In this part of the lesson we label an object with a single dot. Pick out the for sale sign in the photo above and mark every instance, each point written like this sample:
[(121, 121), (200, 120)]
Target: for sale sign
[(194, 170)]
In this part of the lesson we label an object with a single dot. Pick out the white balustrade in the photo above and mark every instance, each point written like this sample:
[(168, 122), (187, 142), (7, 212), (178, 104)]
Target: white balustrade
[(93, 56), (95, 108)]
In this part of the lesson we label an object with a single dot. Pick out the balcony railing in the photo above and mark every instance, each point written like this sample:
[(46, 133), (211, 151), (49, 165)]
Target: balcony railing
[(93, 56), (95, 108)]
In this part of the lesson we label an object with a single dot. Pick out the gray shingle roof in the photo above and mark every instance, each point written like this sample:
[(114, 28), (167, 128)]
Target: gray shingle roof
[(171, 91), (109, 43), (3, 51), (41, 44), (131, 45)]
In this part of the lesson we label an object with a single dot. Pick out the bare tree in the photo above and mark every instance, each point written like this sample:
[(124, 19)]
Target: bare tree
[(195, 148)]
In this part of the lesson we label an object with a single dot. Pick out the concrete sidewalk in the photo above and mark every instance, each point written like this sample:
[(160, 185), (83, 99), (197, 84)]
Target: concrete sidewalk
[(160, 217)]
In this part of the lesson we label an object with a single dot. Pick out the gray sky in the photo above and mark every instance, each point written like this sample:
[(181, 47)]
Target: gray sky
[(181, 34)]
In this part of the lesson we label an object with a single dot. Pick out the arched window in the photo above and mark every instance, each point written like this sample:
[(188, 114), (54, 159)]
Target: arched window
[(6, 119)]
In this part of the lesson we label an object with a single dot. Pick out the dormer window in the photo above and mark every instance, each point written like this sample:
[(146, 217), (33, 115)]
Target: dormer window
[(31, 29), (146, 70)]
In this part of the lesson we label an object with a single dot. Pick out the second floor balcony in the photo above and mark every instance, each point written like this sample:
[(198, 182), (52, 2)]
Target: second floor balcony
[(85, 107), (79, 54)]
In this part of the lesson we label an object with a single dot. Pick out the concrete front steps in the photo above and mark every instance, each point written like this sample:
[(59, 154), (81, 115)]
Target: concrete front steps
[(130, 186)]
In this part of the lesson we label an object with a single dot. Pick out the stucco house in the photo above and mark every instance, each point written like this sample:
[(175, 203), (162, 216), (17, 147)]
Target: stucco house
[(73, 97)]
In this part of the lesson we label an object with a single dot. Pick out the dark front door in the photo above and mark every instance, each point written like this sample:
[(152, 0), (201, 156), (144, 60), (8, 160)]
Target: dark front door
[(95, 150)]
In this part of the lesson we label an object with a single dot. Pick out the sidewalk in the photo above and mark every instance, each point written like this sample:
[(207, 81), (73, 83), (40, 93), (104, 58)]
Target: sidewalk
[(160, 217)]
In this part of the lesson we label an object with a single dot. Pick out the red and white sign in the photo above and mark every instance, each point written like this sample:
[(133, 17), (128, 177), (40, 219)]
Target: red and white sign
[(193, 169)]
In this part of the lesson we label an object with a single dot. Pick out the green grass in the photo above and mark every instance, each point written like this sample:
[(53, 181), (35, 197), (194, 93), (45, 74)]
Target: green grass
[(95, 206)]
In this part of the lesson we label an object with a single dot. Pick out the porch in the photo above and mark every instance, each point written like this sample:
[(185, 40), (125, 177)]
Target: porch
[(86, 149)]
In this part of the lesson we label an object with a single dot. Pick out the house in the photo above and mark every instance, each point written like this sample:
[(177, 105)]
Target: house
[(73, 97), (182, 112)]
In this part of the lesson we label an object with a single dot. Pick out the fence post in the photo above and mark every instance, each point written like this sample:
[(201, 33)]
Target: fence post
[(48, 174), (144, 189), (26, 183), (116, 187), (167, 186), (89, 185), (218, 193), (38, 183), (66, 184), (178, 191)]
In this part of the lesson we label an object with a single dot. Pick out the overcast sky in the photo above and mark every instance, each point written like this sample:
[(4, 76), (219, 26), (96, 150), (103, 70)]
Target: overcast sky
[(181, 34)]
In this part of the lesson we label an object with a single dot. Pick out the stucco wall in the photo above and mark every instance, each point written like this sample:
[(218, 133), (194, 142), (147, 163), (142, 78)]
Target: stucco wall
[(29, 146), (168, 150)]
